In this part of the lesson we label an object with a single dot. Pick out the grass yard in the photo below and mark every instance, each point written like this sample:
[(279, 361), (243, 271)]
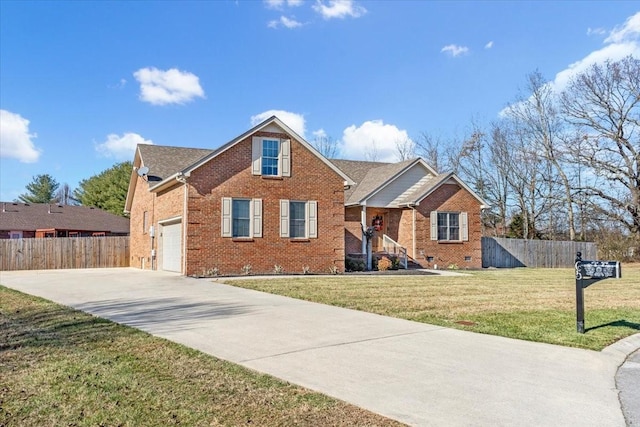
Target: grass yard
[(59, 366), (524, 303)]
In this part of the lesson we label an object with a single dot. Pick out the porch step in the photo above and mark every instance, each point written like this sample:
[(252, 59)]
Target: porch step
[(412, 265)]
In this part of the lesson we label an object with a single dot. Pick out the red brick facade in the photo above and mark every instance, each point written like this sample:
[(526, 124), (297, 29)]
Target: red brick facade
[(158, 208), (399, 225), (229, 175)]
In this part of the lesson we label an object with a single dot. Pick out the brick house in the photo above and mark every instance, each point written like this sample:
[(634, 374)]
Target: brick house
[(26, 220), (268, 198), (433, 219)]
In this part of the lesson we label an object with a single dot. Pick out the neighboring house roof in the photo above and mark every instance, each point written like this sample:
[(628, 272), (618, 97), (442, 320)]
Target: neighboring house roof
[(372, 177), (42, 216)]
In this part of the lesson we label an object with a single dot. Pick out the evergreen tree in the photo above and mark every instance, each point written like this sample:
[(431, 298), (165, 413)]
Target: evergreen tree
[(107, 190), (41, 189)]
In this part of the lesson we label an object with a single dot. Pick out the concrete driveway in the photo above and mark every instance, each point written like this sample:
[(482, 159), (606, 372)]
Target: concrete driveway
[(415, 373)]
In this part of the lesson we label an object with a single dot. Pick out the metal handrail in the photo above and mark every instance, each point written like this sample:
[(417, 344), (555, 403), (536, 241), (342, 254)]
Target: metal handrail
[(397, 249)]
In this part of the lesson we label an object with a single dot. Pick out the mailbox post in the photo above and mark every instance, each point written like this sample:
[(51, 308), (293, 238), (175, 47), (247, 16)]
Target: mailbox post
[(588, 273)]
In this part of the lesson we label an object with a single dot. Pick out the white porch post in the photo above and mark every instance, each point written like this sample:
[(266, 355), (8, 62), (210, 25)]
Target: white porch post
[(363, 225)]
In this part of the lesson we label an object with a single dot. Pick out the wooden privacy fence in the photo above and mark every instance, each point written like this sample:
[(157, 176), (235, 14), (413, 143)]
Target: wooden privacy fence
[(64, 252), (508, 253)]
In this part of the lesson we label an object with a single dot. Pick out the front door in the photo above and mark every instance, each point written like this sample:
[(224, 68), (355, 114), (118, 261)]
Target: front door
[(377, 241)]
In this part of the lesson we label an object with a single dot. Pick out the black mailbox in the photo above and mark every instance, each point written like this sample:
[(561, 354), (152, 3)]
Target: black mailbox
[(588, 273)]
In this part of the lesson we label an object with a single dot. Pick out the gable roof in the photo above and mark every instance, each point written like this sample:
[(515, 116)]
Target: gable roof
[(39, 216), (372, 177), (165, 161), (273, 120)]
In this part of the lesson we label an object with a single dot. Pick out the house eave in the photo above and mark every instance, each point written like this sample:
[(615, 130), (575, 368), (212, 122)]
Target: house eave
[(137, 161), (176, 178)]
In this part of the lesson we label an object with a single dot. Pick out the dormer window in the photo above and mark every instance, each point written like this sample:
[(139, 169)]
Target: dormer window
[(271, 157)]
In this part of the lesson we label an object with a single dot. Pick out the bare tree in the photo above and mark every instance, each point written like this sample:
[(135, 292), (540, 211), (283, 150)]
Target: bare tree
[(524, 176), (64, 195), (536, 112), (405, 149), (372, 154), (430, 149), (326, 145), (498, 190), (604, 103), (443, 155)]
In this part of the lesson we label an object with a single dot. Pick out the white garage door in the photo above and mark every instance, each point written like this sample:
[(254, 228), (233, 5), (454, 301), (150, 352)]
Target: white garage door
[(171, 249)]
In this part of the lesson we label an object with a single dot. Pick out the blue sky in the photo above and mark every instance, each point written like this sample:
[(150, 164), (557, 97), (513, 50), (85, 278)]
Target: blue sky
[(82, 82)]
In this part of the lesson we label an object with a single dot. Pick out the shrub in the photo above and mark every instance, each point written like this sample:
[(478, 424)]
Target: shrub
[(211, 272), (354, 264), (305, 269), (384, 264), (246, 269), (278, 269)]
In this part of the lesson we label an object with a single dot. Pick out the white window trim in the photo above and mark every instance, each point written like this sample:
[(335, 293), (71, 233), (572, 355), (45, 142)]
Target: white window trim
[(463, 227), (255, 217), (284, 156), (311, 219)]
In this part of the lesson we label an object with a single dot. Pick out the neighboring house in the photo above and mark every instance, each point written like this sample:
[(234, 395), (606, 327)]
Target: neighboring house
[(267, 198), (24, 220)]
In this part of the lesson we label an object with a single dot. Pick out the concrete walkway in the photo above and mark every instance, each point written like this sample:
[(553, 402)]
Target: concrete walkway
[(416, 373)]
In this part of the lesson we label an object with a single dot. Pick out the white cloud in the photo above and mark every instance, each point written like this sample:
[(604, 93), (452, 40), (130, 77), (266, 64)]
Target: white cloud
[(339, 9), (455, 50), (277, 4), (285, 22), (613, 52), (295, 121), (623, 41), (597, 31), (173, 86), (320, 133), (630, 30), (122, 83), (121, 147), (489, 45), (15, 139), (359, 143)]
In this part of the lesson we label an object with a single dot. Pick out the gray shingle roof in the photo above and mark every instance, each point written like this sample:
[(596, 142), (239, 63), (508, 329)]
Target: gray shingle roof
[(37, 216), (368, 176), (163, 161)]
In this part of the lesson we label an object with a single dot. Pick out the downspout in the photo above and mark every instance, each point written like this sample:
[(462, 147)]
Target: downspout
[(154, 265), (413, 232), (183, 179)]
